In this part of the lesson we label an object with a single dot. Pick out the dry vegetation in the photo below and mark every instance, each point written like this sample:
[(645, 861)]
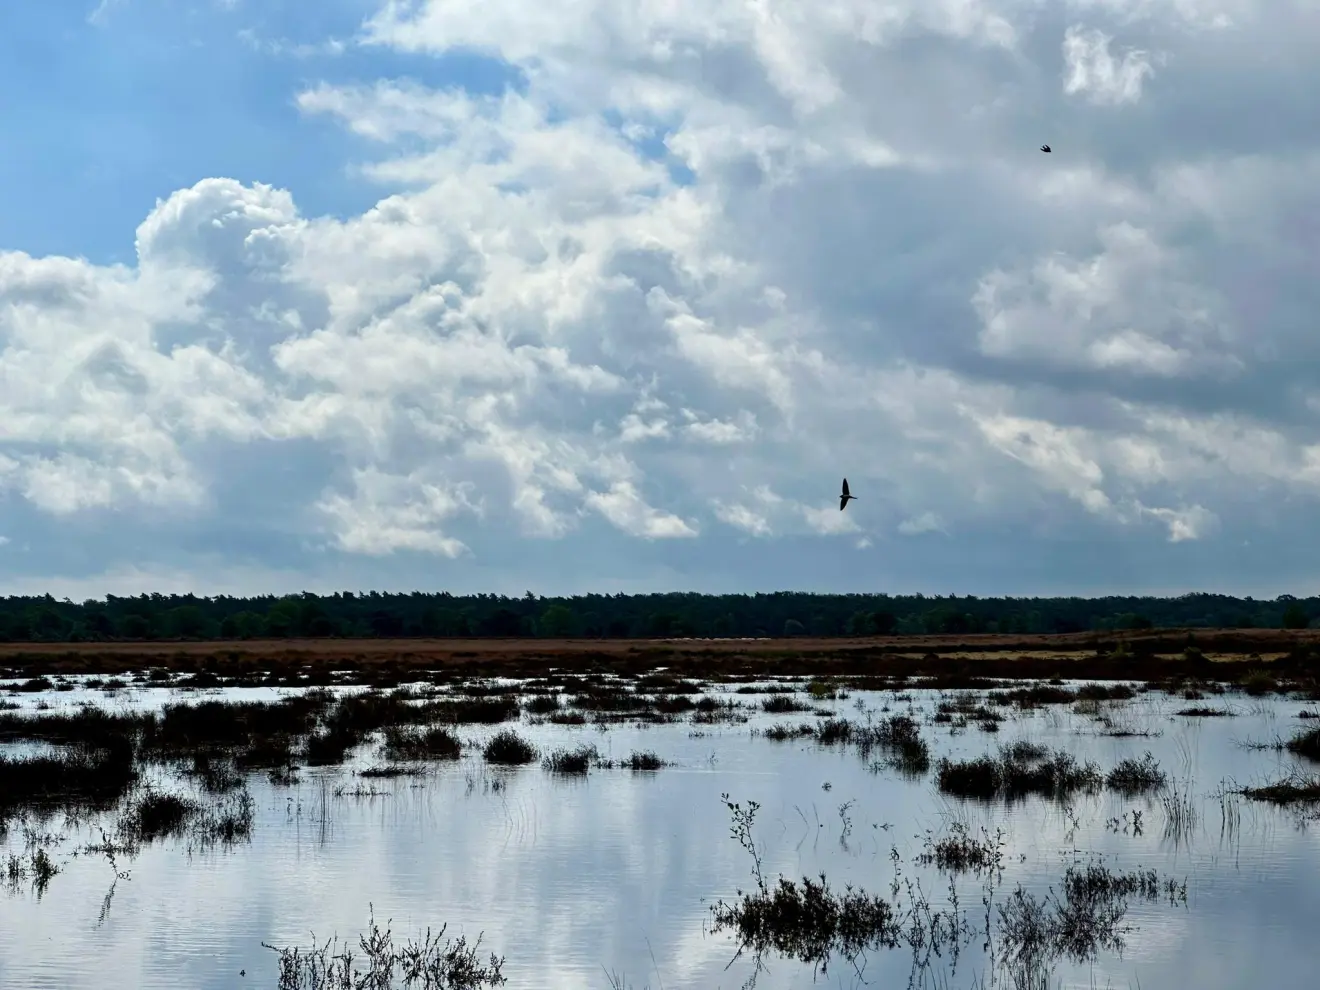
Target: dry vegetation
[(1258, 656)]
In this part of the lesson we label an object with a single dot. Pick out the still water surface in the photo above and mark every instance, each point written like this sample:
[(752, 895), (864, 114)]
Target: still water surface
[(572, 878)]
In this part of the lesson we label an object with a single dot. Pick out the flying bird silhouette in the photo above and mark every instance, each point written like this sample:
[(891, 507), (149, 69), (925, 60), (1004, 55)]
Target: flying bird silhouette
[(843, 499), (1045, 148)]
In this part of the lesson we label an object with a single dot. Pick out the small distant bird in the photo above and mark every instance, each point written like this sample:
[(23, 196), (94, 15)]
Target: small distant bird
[(843, 499), (1045, 148)]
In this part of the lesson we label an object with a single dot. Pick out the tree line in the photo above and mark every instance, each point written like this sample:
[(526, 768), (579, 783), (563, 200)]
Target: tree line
[(787, 614)]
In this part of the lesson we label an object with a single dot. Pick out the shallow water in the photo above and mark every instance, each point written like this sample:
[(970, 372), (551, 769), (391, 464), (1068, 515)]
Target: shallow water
[(571, 878)]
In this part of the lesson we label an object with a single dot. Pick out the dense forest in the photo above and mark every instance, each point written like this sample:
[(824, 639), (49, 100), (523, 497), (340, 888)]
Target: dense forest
[(377, 615)]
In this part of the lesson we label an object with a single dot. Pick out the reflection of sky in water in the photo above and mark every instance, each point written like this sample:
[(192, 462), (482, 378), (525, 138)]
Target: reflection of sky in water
[(568, 878)]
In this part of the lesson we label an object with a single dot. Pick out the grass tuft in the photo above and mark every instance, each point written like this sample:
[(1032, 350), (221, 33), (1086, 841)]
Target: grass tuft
[(644, 760), (987, 777), (570, 761), (509, 749), (435, 743), (1136, 776)]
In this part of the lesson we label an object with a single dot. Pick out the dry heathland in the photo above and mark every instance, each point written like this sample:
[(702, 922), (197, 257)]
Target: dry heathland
[(1153, 654)]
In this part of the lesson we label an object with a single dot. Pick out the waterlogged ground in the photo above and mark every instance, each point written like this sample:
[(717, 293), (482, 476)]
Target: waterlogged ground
[(609, 878)]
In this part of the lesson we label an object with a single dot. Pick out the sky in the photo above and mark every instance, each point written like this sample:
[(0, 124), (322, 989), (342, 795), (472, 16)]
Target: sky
[(609, 295)]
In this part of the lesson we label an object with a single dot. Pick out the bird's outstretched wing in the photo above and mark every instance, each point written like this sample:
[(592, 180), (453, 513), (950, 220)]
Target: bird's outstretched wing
[(843, 502), (845, 487)]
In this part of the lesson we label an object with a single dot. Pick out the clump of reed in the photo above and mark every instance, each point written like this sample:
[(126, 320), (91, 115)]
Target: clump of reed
[(87, 727), (1105, 692), (822, 690), (782, 731), (571, 761), (1259, 683), (509, 749), (543, 704), (898, 735), (965, 708), (783, 704), (644, 760), (1135, 776), (184, 728), (1037, 695), (809, 922), (988, 777), (1025, 751), (473, 711), (434, 743), (832, 731), (668, 683), (603, 698), (73, 778), (568, 718), (485, 689)]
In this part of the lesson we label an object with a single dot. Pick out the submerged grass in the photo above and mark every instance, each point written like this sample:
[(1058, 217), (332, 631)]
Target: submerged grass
[(225, 822), (960, 851), (155, 815), (1296, 788), (782, 731), (1089, 916), (1305, 744), (431, 963), (215, 774), (36, 867), (388, 772), (809, 922)]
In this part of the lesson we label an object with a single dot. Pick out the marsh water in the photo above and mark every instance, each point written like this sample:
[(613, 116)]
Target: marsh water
[(609, 877)]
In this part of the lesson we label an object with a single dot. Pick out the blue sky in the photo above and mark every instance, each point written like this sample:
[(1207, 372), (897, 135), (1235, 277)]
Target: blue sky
[(609, 296), (115, 105)]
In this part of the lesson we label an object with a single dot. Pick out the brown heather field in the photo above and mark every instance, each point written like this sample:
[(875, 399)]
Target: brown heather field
[(1147, 655)]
